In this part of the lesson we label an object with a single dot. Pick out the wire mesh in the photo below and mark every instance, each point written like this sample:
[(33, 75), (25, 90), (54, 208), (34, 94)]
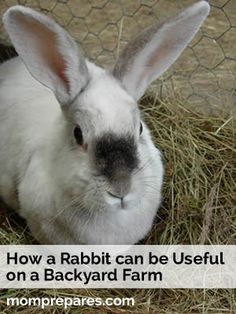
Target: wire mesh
[(204, 76)]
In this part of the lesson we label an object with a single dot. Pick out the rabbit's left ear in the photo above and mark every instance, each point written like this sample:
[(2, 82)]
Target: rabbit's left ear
[(151, 53), (48, 51)]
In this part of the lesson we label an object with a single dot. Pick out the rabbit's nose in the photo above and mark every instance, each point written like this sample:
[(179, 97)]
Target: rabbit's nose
[(120, 186), (119, 190)]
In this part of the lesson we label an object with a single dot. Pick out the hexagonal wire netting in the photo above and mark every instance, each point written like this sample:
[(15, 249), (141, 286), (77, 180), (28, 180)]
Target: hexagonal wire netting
[(204, 76)]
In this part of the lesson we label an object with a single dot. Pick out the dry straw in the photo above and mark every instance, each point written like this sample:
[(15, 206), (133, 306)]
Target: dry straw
[(199, 203)]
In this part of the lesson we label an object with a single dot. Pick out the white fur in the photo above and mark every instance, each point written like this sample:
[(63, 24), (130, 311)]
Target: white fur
[(49, 179)]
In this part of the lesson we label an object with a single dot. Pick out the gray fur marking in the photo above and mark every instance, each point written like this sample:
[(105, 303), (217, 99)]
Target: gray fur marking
[(116, 158)]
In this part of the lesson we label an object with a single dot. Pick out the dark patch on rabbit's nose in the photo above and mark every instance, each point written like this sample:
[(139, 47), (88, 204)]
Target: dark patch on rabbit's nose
[(116, 156)]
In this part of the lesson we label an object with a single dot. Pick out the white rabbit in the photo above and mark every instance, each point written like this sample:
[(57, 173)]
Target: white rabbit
[(76, 160)]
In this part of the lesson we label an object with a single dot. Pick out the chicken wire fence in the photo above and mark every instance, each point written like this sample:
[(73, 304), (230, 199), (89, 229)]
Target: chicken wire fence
[(205, 74)]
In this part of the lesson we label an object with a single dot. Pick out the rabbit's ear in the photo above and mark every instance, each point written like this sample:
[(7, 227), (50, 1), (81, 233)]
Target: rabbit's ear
[(48, 51), (151, 53)]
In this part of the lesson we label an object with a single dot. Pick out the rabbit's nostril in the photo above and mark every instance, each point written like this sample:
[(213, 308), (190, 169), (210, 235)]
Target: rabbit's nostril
[(114, 195)]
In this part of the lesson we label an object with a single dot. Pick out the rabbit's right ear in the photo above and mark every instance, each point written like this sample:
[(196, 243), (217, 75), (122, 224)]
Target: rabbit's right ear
[(154, 50), (48, 51)]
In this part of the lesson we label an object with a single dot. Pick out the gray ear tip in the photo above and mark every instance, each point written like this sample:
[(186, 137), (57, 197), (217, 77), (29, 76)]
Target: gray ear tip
[(18, 10), (204, 6), (198, 10), (9, 13), (14, 9)]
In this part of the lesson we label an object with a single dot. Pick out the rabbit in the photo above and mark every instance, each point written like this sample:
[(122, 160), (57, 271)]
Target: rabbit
[(76, 159)]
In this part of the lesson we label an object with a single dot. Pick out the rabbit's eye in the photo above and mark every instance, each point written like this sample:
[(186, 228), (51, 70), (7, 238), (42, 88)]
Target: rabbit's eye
[(140, 128), (78, 135)]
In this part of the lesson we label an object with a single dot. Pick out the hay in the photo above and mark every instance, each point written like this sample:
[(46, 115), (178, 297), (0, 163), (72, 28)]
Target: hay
[(199, 207), (199, 204)]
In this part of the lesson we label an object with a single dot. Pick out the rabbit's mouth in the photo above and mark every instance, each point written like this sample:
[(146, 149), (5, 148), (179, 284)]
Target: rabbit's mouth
[(116, 203)]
